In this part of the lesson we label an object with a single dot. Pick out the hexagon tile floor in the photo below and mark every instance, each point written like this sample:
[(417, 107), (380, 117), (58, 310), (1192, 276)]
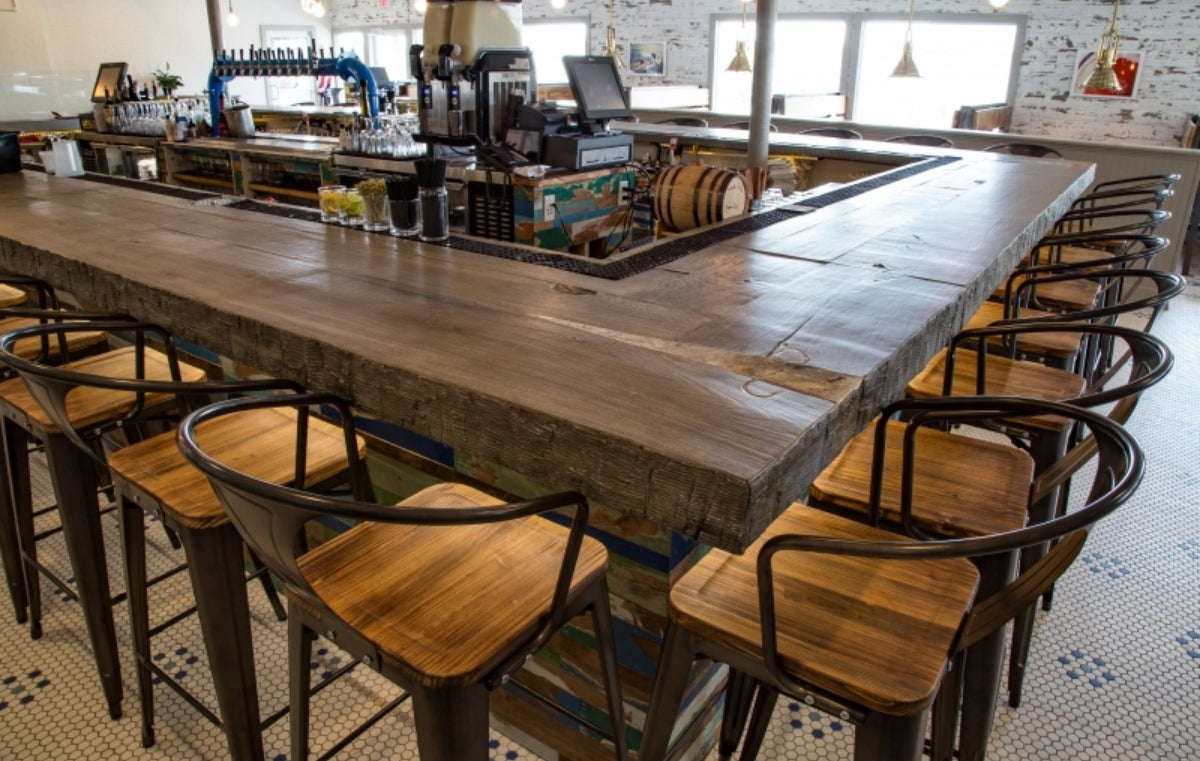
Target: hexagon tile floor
[(1114, 674)]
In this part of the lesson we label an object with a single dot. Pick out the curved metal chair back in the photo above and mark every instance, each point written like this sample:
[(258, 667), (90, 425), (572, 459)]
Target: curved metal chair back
[(1141, 182), (1115, 221), (934, 141), (1032, 150), (271, 517), (52, 385), (842, 132), (746, 125), (1118, 472), (1123, 198), (684, 121)]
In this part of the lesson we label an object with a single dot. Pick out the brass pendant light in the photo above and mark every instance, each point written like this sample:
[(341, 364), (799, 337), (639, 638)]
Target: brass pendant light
[(907, 67), (1103, 77), (610, 39), (741, 62)]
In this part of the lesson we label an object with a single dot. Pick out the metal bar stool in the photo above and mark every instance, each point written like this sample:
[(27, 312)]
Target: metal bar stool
[(448, 594), (821, 607), (152, 476), (76, 480)]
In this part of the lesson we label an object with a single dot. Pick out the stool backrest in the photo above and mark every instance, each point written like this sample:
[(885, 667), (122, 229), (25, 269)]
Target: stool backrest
[(933, 141), (1118, 472), (52, 386), (1033, 150), (843, 132), (1145, 181)]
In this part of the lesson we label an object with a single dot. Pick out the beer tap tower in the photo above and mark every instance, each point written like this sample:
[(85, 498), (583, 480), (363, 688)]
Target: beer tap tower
[(287, 62)]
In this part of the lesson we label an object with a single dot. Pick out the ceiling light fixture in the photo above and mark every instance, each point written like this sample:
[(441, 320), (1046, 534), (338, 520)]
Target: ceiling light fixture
[(741, 61), (231, 18), (997, 4), (558, 5), (1103, 77), (610, 38), (907, 67)]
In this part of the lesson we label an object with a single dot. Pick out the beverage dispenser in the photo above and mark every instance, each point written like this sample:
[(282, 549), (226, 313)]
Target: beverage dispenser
[(472, 71)]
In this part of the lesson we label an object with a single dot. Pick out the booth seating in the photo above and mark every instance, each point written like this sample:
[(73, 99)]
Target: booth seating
[(847, 618), (448, 594), (151, 476)]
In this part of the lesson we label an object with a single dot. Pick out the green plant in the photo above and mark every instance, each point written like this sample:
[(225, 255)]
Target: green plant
[(167, 81)]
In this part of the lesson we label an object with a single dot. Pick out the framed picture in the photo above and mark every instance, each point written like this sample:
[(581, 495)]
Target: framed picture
[(649, 58), (1127, 67)]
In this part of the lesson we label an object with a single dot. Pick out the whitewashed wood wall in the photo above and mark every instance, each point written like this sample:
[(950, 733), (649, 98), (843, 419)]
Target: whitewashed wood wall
[(1166, 32)]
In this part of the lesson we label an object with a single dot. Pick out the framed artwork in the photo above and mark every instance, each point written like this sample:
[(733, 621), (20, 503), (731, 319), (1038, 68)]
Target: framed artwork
[(1127, 67), (649, 58)]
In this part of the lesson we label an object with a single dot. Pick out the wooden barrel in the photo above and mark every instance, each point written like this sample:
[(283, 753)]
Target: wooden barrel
[(687, 197)]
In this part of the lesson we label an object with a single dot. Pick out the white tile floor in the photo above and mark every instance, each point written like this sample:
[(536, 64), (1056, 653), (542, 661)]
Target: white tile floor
[(1114, 674)]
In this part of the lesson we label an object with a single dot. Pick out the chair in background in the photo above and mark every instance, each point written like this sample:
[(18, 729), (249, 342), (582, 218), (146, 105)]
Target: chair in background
[(448, 594), (933, 141), (1032, 150), (151, 476), (842, 132), (746, 125), (842, 615), (684, 121)]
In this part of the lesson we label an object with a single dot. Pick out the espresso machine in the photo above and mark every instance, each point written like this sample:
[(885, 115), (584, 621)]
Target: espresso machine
[(473, 74)]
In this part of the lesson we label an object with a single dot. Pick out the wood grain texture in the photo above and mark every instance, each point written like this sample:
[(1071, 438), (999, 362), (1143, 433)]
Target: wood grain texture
[(877, 632), (962, 486), (257, 442), (447, 604), (704, 395)]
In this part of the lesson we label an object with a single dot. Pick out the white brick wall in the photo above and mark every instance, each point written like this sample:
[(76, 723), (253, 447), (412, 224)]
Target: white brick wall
[(1167, 32)]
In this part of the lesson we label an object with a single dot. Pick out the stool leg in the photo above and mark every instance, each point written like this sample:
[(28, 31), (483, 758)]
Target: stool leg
[(944, 726), (74, 476), (984, 663), (300, 641), (760, 721), (1046, 450), (216, 568), (452, 722), (16, 455), (264, 577), (133, 546), (891, 738), (670, 683), (606, 644), (739, 695), (10, 546)]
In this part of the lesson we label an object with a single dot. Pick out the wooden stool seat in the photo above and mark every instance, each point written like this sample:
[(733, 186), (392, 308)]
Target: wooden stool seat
[(11, 297), (30, 348), (1062, 345), (88, 406), (1069, 296), (962, 486), (1005, 377), (256, 441), (878, 632), (437, 607), (1080, 254)]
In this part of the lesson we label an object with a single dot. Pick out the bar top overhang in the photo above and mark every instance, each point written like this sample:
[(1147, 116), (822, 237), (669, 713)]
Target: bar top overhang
[(704, 394)]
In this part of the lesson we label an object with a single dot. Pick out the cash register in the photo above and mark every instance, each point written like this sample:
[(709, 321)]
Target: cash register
[(587, 143)]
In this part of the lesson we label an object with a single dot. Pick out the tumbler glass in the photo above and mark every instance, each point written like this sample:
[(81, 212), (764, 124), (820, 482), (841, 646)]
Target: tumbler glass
[(330, 198)]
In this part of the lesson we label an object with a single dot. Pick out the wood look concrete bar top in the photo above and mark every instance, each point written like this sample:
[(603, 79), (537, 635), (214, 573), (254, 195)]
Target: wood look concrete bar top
[(704, 394)]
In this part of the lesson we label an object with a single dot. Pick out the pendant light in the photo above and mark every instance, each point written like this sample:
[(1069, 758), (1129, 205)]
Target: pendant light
[(907, 67), (610, 39), (740, 62), (231, 18), (1103, 77)]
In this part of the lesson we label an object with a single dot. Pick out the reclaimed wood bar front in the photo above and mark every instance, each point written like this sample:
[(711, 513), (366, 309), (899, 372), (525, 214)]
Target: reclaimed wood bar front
[(699, 397)]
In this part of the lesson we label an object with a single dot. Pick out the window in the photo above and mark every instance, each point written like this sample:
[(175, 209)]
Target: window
[(388, 48), (964, 59), (807, 61), (550, 41), (961, 63), (288, 91)]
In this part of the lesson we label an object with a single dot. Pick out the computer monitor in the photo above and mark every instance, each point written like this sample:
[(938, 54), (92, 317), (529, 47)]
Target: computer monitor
[(109, 78), (597, 88)]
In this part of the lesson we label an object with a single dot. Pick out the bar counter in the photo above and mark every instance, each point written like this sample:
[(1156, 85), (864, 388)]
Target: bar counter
[(703, 394)]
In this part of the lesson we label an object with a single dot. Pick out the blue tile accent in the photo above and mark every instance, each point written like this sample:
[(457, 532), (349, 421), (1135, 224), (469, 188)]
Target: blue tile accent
[(1112, 567)]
